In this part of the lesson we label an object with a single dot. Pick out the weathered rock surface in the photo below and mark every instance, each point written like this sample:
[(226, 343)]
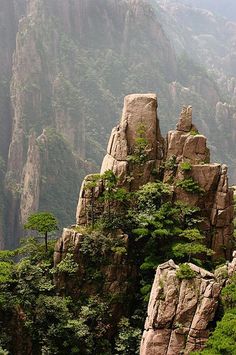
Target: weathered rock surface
[(182, 147), (179, 311), (139, 113), (139, 120), (31, 181)]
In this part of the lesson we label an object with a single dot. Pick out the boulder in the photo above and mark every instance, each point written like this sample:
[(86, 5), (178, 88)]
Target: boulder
[(179, 311)]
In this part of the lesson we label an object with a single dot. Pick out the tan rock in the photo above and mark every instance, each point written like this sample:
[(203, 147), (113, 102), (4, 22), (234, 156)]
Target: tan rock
[(185, 120), (206, 175), (224, 199), (192, 306), (232, 266), (120, 168), (175, 143), (195, 149), (155, 342), (29, 201)]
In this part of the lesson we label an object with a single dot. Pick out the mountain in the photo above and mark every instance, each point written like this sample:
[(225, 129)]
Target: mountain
[(73, 62), (223, 8), (155, 202)]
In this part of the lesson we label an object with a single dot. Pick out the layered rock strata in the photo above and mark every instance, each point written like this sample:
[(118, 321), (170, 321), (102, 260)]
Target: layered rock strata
[(180, 311), (138, 154)]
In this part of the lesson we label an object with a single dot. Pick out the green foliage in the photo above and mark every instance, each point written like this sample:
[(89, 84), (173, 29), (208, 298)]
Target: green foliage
[(145, 292), (92, 182), (42, 222), (185, 272), (151, 195), (140, 149), (194, 132), (3, 352), (6, 271), (128, 339), (171, 164), (190, 186), (186, 166), (97, 246), (192, 245), (229, 294), (163, 230), (67, 265)]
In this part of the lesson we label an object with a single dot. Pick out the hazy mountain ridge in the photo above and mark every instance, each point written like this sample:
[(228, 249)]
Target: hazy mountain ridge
[(74, 61)]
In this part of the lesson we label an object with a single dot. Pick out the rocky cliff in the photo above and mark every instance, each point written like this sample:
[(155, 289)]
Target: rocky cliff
[(180, 160), (10, 13), (181, 312), (182, 306), (152, 194), (206, 31)]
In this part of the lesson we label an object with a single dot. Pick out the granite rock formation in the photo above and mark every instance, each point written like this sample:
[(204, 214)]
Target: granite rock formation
[(182, 157), (179, 311)]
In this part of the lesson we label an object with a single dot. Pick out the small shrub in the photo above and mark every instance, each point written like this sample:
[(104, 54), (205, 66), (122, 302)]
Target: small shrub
[(68, 265), (185, 166), (194, 132), (191, 186), (185, 272), (171, 164)]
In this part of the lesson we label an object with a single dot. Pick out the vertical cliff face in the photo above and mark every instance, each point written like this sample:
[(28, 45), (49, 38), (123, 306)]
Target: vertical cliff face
[(179, 311), (9, 16), (62, 76), (204, 31), (10, 13)]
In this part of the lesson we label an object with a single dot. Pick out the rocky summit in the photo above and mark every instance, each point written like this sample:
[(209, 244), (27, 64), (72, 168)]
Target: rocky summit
[(180, 159)]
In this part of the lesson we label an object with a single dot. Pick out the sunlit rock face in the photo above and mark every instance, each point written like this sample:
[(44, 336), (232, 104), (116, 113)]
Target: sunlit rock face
[(179, 311)]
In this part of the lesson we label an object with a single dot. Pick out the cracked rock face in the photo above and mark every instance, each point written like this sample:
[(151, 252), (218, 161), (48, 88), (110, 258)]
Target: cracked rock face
[(179, 311), (185, 145), (139, 114)]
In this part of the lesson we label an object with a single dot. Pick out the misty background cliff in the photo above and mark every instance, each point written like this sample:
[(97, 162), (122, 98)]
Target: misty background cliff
[(65, 67)]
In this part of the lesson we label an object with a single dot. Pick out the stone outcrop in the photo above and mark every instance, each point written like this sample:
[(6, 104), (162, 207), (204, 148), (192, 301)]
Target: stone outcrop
[(180, 311), (139, 121), (186, 146), (182, 157), (139, 114)]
